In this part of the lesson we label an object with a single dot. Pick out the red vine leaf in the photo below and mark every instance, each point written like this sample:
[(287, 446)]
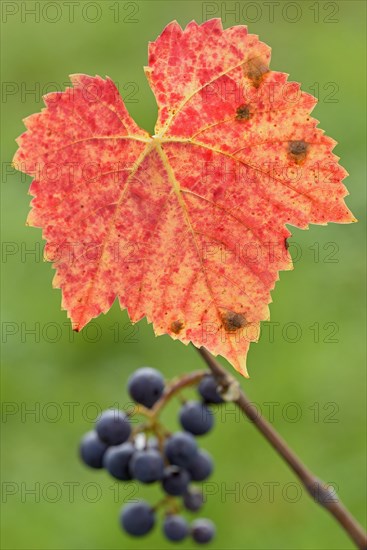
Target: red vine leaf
[(187, 227)]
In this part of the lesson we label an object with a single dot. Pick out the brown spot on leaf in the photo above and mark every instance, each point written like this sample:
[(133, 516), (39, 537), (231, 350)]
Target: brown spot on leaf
[(243, 112), (177, 326), (255, 70), (286, 244), (297, 150), (233, 321)]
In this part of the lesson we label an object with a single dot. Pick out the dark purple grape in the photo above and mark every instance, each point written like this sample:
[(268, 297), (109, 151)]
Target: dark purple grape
[(113, 427), (208, 389), (137, 518), (175, 528), (193, 499), (201, 467), (175, 480), (147, 466), (92, 450), (117, 459), (196, 418), (146, 386), (181, 449), (202, 530)]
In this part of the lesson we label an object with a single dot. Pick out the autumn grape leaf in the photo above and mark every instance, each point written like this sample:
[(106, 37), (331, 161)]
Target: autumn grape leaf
[(186, 227)]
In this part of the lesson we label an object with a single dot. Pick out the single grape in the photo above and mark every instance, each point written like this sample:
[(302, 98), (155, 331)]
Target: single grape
[(175, 480), (137, 518), (147, 466), (175, 527), (201, 467), (208, 389), (113, 427), (196, 418), (117, 459), (146, 386), (202, 530), (193, 499), (181, 449), (92, 450)]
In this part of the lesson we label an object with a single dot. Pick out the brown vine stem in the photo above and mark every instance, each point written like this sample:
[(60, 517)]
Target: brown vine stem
[(323, 495), (175, 387)]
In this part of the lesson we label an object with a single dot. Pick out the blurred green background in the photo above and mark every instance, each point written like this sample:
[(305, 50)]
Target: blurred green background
[(312, 388)]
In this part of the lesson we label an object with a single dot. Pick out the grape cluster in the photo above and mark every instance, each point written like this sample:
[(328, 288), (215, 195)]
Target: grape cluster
[(149, 454)]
